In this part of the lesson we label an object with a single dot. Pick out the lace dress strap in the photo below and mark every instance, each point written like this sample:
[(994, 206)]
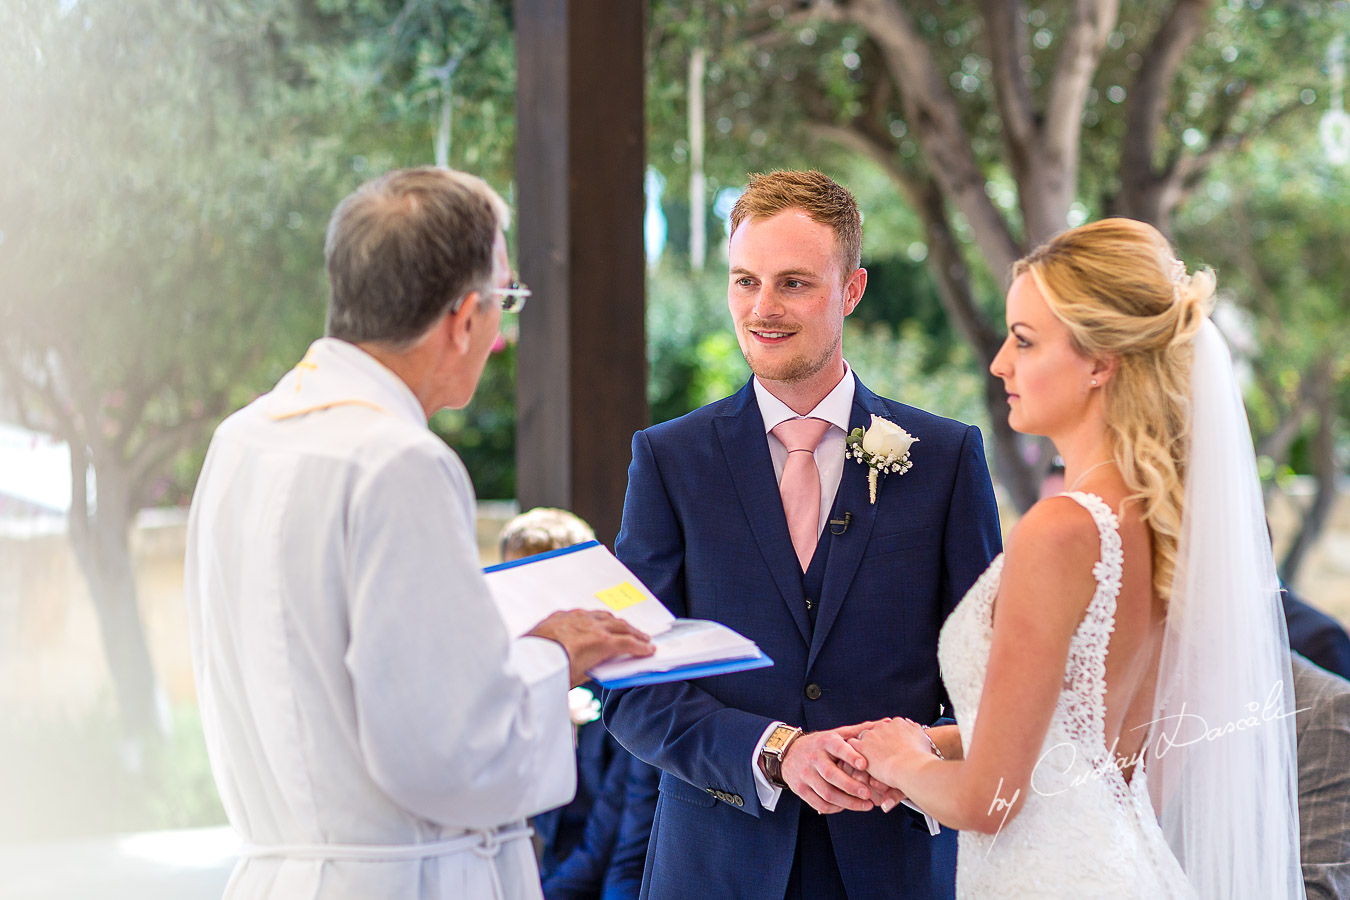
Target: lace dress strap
[(1111, 566), (1086, 675)]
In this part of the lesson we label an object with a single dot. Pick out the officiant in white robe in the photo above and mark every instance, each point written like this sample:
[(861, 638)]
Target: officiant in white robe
[(373, 729)]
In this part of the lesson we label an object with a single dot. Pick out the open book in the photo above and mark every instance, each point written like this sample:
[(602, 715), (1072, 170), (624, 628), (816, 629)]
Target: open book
[(588, 576)]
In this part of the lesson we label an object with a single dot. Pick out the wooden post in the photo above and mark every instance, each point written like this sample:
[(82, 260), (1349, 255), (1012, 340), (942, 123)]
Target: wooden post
[(580, 160)]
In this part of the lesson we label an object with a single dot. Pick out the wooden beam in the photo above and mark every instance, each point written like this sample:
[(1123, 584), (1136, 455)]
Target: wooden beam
[(580, 158)]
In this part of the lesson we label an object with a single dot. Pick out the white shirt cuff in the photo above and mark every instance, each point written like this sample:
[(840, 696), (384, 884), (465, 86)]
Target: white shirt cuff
[(768, 793), (537, 659)]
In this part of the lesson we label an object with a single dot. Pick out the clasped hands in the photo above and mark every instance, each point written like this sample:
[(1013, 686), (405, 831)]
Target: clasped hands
[(852, 767)]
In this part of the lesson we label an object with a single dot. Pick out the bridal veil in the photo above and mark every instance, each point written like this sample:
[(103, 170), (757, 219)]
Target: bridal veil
[(1222, 760)]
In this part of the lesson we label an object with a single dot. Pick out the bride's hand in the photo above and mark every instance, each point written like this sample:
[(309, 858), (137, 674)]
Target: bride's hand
[(886, 745)]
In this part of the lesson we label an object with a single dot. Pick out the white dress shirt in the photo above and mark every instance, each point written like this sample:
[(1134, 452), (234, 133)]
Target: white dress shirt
[(361, 696), (836, 408)]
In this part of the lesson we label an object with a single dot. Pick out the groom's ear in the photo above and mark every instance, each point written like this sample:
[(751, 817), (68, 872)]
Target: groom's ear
[(853, 290)]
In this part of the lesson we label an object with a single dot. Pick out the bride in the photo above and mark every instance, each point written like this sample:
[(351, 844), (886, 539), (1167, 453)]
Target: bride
[(1120, 676)]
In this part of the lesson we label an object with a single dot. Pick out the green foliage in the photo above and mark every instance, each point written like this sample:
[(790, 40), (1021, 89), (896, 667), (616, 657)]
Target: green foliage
[(774, 73), (1256, 61), (749, 103), (1271, 224), (1251, 88), (159, 240), (692, 354), (171, 169), (908, 365)]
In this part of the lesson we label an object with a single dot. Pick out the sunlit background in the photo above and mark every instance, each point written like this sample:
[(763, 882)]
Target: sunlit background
[(168, 172)]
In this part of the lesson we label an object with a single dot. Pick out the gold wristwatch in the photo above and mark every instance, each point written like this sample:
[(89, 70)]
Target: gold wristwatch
[(771, 756)]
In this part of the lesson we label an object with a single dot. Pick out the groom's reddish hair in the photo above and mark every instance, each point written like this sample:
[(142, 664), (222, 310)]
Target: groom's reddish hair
[(823, 200)]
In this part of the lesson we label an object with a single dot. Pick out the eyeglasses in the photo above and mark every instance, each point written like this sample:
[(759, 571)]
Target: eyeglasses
[(513, 296)]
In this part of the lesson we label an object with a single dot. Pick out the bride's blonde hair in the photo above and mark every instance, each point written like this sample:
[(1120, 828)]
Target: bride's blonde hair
[(1119, 287)]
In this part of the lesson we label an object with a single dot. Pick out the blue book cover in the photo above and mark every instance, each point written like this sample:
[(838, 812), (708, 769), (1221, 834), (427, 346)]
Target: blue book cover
[(689, 672)]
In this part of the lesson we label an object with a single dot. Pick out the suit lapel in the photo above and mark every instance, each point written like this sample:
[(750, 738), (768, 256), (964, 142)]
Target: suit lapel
[(741, 434), (846, 549)]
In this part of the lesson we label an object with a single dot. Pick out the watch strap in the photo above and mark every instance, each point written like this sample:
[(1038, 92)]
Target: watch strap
[(773, 757)]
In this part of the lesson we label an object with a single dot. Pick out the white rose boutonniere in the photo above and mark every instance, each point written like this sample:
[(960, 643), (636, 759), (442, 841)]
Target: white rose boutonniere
[(883, 447)]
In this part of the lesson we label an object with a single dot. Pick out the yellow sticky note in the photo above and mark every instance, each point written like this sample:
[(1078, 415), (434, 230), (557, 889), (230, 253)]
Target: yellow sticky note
[(621, 596)]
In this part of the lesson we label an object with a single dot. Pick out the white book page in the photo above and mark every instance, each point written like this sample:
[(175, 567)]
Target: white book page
[(583, 579), (687, 641)]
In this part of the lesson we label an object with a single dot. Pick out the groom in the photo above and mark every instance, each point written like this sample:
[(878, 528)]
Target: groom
[(746, 512)]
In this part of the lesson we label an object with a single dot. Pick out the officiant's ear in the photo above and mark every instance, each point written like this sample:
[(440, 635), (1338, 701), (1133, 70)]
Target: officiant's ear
[(460, 322)]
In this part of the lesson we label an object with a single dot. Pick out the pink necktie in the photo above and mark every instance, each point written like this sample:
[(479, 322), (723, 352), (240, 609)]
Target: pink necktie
[(800, 486)]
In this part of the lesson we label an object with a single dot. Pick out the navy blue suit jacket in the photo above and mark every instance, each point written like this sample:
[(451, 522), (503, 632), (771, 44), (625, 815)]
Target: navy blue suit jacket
[(703, 526)]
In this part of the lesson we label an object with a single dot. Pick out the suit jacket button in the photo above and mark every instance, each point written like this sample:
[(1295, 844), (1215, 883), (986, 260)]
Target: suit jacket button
[(810, 603), (813, 691), (736, 799)]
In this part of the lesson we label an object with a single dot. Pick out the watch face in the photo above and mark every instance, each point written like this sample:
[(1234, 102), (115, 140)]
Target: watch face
[(776, 740)]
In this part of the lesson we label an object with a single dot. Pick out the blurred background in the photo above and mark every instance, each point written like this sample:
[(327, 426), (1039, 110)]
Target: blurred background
[(169, 167)]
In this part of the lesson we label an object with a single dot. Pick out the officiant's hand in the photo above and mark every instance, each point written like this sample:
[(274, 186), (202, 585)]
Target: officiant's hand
[(811, 768), (591, 637)]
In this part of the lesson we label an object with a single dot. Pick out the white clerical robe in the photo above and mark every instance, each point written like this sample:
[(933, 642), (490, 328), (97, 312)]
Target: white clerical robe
[(366, 712)]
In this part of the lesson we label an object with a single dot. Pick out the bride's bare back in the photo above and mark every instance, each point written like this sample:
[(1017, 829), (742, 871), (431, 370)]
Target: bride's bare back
[(1136, 642)]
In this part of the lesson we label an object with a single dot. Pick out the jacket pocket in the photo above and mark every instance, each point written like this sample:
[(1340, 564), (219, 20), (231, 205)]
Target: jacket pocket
[(920, 538)]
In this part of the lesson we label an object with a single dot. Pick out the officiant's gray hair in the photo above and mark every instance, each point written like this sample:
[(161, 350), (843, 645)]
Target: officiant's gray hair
[(405, 249)]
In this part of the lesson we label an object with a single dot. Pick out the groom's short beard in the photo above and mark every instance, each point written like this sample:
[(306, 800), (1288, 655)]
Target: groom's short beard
[(792, 371)]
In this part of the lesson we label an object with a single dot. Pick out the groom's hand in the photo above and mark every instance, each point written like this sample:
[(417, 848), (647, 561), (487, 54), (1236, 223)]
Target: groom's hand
[(883, 795), (812, 770)]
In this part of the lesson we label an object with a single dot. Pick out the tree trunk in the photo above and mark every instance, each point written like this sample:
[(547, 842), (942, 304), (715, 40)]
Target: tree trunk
[(1151, 200), (947, 263), (698, 209), (441, 147), (100, 540), (112, 585), (1042, 150), (949, 269)]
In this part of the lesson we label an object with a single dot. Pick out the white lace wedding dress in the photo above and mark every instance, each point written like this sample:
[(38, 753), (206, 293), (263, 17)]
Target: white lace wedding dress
[(1083, 831)]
